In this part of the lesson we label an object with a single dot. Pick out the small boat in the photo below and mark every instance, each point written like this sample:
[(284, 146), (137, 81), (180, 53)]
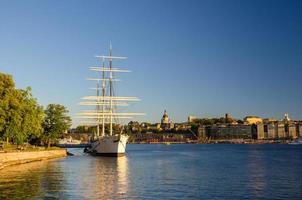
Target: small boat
[(69, 141), (296, 142)]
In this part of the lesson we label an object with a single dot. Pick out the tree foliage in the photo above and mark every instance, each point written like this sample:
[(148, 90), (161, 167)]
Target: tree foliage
[(211, 121), (7, 85), (55, 123), (20, 115)]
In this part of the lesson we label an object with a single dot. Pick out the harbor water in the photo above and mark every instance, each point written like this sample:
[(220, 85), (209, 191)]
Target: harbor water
[(213, 171)]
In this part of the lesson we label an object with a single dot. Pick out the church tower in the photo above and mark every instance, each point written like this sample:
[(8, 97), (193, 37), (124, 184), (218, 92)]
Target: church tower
[(165, 119), (166, 123)]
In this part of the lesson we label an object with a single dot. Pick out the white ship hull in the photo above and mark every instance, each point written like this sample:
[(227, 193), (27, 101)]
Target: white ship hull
[(112, 146)]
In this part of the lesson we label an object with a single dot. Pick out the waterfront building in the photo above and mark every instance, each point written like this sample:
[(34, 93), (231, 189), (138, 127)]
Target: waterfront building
[(202, 132), (292, 133), (151, 137), (299, 129), (230, 131), (269, 131), (291, 130), (280, 130), (249, 120), (259, 129), (265, 129)]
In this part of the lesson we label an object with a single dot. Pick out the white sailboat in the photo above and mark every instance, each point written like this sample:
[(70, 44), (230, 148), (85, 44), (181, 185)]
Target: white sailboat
[(110, 143)]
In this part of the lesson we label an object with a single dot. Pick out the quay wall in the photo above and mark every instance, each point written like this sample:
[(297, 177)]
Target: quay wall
[(7, 159)]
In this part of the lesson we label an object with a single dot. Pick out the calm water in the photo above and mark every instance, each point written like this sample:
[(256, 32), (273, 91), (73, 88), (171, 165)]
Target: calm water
[(163, 172)]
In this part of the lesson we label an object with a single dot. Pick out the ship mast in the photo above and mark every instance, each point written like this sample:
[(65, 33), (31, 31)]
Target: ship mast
[(104, 101), (98, 108), (110, 88)]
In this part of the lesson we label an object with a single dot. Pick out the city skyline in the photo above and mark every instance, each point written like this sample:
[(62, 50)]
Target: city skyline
[(203, 58)]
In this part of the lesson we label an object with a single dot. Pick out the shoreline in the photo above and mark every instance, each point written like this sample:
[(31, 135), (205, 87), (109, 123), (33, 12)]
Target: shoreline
[(219, 142), (16, 158)]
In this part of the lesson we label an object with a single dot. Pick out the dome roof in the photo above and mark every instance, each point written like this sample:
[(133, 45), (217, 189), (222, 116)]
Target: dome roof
[(165, 114)]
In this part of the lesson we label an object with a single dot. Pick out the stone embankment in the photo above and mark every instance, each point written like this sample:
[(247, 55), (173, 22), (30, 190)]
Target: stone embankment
[(14, 158)]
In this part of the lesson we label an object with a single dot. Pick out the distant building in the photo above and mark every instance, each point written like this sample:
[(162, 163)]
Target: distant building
[(291, 127), (191, 119), (299, 129), (229, 119), (286, 118), (201, 132), (280, 130), (166, 123), (259, 131), (182, 126), (269, 120), (154, 127), (269, 131), (230, 132), (249, 120), (165, 119), (228, 116), (292, 133)]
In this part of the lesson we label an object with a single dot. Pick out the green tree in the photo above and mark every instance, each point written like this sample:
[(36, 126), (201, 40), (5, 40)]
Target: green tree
[(24, 116), (20, 114), (55, 123), (33, 115), (7, 85), (239, 121), (81, 129)]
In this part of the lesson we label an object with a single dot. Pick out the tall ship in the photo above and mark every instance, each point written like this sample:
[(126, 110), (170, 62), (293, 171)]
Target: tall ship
[(110, 138)]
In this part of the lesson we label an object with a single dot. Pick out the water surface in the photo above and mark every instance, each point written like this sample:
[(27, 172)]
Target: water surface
[(163, 172)]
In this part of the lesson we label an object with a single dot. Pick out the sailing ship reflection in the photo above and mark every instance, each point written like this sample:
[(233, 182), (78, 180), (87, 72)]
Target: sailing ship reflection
[(110, 180), (95, 178)]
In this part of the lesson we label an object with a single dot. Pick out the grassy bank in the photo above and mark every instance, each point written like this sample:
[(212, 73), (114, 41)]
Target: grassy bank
[(9, 148)]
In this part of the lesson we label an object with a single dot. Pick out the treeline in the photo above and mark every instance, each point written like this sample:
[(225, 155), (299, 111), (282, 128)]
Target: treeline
[(22, 119), (212, 121)]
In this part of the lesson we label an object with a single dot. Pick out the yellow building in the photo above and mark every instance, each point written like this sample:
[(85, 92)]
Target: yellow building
[(249, 120)]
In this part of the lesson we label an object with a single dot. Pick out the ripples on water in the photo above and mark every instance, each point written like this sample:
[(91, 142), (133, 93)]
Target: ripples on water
[(163, 172)]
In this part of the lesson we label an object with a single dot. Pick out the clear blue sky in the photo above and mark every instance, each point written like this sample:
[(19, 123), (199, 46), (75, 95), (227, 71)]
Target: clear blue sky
[(202, 58)]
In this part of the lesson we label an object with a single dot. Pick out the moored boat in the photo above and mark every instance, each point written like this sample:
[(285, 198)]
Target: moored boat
[(296, 142), (68, 142)]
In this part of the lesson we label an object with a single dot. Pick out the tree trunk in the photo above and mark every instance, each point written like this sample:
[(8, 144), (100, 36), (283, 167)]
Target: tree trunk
[(7, 140), (48, 144)]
